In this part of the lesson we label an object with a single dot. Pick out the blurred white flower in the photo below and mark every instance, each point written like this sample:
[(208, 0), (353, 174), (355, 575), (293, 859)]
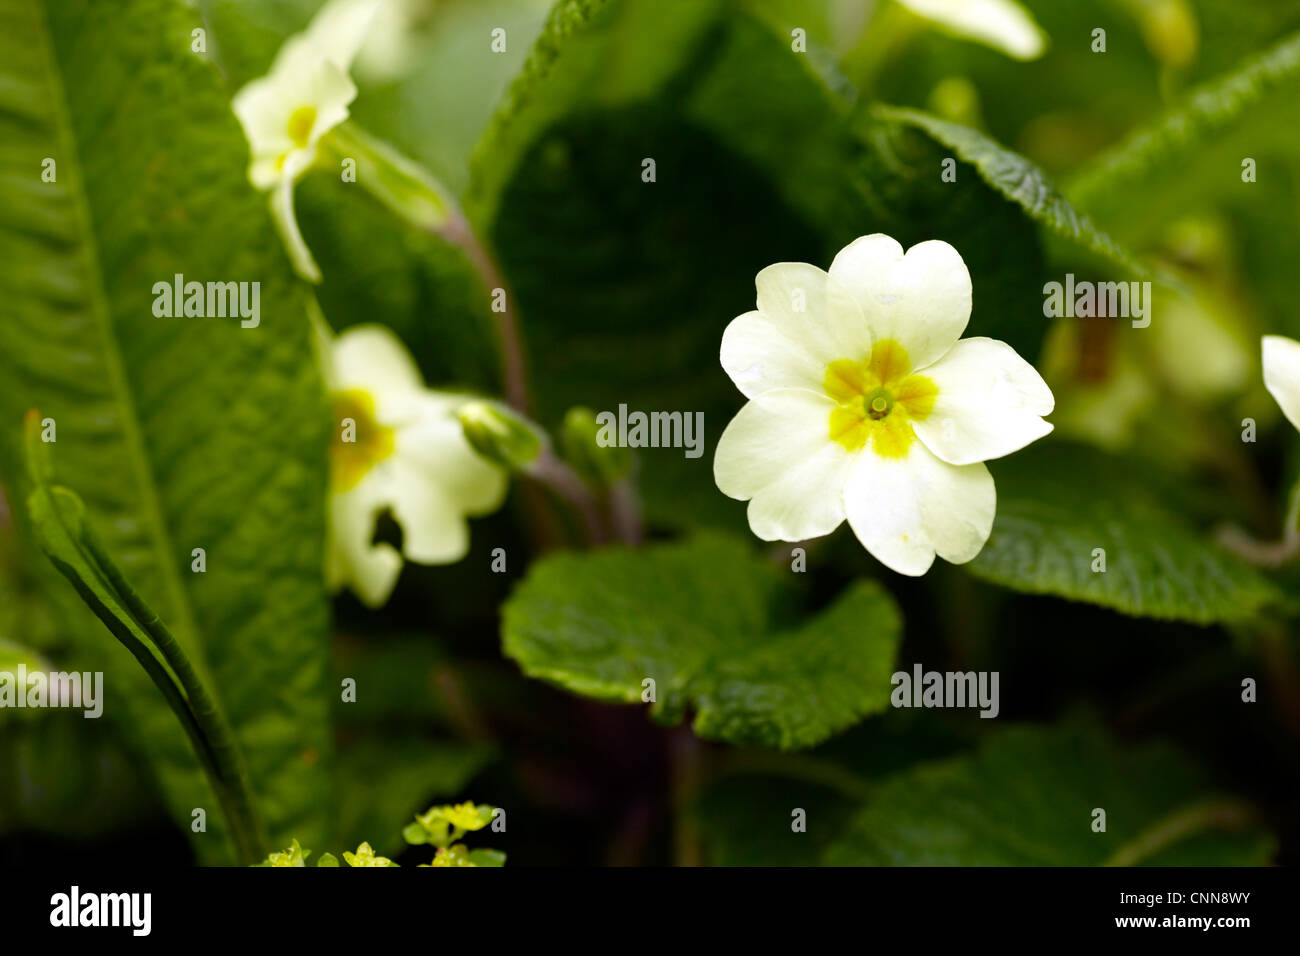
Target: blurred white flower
[(286, 112), (397, 446), (1004, 25), (1281, 359), (865, 405)]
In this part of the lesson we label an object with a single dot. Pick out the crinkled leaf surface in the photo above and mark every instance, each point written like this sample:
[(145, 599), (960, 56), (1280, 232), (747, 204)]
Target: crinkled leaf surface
[(1026, 798), (698, 619), (1058, 503), (179, 433), (1019, 180)]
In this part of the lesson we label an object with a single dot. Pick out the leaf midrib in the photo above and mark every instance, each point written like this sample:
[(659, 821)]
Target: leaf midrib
[(185, 626)]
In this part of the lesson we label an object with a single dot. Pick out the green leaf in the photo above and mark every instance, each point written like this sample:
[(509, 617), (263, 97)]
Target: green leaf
[(178, 433), (1027, 797), (1197, 140), (698, 619), (59, 519), (1189, 163), (1019, 180), (492, 858), (1058, 503)]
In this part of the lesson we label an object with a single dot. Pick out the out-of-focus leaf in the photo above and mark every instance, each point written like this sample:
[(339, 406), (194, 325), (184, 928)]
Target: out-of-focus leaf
[(746, 811), (179, 432), (1190, 161), (1059, 503), (697, 619), (1149, 171), (1028, 796)]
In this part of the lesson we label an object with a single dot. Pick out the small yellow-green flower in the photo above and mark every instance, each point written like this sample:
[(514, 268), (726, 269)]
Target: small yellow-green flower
[(457, 855), (440, 826), (294, 856), (365, 856)]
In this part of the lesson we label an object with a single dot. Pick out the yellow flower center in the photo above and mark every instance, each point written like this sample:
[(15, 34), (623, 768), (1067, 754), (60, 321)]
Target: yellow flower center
[(360, 442), (301, 121), (877, 400)]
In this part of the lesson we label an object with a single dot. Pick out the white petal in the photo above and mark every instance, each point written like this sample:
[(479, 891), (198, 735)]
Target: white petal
[(778, 455), (369, 569), (990, 403), (431, 441), (906, 510), (300, 77), (434, 529), (286, 223), (340, 29), (1002, 24), (921, 300), (1281, 357), (805, 321), (373, 359)]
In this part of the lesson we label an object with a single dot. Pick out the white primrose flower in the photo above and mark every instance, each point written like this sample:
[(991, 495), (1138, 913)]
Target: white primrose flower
[(864, 404), (397, 446), (1004, 25), (286, 112), (1281, 359)]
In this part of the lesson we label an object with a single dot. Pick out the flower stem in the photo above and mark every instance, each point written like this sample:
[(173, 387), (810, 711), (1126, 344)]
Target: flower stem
[(554, 474), (514, 379)]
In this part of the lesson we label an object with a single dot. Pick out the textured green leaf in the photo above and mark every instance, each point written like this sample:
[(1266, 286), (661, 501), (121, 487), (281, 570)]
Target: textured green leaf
[(179, 433), (1058, 502), (697, 618), (1019, 180), (1026, 798)]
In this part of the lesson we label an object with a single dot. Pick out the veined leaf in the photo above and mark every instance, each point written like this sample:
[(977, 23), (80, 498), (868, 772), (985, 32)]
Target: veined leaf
[(1019, 180), (178, 432), (697, 620), (1066, 511), (1029, 797)]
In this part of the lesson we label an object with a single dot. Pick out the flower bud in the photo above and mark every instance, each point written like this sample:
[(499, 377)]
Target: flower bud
[(500, 435)]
